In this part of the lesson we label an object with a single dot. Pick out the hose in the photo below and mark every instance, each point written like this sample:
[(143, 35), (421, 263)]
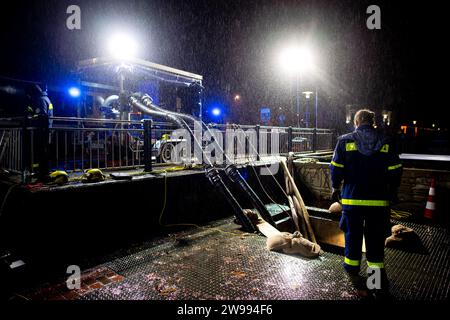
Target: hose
[(399, 215), (107, 102), (147, 106), (138, 105), (147, 102)]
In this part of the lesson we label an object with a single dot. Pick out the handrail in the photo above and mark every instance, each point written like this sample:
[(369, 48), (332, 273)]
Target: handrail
[(168, 124)]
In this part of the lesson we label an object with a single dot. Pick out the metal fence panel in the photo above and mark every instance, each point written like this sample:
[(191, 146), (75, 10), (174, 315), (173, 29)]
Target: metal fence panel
[(76, 144)]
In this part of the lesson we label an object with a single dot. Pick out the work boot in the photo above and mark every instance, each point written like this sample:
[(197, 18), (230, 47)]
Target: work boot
[(382, 293), (358, 282)]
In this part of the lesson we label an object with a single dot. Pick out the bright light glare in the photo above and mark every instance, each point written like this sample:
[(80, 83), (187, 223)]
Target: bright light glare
[(216, 112), (122, 46), (74, 92), (308, 94), (297, 59)]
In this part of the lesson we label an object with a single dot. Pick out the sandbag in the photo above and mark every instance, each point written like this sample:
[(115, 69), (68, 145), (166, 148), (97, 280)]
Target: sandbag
[(402, 237), (293, 244), (335, 208)]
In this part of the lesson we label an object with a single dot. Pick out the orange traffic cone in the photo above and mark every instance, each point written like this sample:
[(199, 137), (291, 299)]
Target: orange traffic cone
[(431, 205)]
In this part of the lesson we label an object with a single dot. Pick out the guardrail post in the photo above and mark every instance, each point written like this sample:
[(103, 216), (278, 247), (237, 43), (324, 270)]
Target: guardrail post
[(257, 129), (290, 137), (148, 145)]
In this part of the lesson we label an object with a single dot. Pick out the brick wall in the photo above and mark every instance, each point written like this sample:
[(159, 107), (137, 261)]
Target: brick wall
[(413, 191)]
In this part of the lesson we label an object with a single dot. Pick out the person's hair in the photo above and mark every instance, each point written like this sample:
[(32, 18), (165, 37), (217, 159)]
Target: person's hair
[(364, 116)]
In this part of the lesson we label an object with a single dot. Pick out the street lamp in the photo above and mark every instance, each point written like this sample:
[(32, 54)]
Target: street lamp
[(307, 96), (122, 46), (297, 60)]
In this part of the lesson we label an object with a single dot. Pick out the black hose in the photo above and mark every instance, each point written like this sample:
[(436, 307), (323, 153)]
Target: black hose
[(214, 177), (231, 171), (235, 176)]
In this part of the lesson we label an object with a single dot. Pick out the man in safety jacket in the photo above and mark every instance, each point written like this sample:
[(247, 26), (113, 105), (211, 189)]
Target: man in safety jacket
[(40, 113), (371, 171)]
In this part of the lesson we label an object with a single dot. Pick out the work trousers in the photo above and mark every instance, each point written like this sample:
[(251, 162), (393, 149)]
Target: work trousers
[(372, 223)]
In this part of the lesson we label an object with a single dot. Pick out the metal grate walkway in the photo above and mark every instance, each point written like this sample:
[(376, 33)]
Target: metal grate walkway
[(213, 264)]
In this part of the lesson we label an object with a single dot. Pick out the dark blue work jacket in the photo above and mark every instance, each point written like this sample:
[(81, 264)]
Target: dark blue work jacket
[(370, 168)]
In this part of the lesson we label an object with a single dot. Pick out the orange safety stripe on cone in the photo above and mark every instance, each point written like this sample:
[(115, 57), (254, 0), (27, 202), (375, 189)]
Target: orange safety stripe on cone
[(430, 207)]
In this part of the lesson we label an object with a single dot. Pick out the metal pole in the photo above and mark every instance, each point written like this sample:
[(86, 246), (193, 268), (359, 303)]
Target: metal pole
[(316, 108), (290, 137), (315, 125), (298, 100), (257, 129), (148, 145), (122, 98), (200, 102)]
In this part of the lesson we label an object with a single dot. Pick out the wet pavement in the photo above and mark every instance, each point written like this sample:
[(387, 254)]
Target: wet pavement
[(219, 261)]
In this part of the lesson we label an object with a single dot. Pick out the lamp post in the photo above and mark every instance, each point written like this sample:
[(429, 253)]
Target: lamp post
[(307, 96), (297, 89), (122, 47), (296, 61)]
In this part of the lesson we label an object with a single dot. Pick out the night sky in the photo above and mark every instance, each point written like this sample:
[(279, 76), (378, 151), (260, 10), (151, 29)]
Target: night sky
[(234, 44)]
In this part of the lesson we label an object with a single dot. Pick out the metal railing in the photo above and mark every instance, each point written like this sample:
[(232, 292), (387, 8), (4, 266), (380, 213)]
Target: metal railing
[(11, 149), (75, 144), (79, 144)]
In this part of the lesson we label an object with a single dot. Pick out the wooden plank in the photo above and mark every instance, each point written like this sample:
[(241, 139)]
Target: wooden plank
[(300, 200), (294, 213), (303, 227), (327, 231), (267, 229)]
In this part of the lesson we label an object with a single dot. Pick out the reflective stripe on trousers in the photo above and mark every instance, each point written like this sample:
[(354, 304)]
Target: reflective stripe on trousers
[(370, 203)]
